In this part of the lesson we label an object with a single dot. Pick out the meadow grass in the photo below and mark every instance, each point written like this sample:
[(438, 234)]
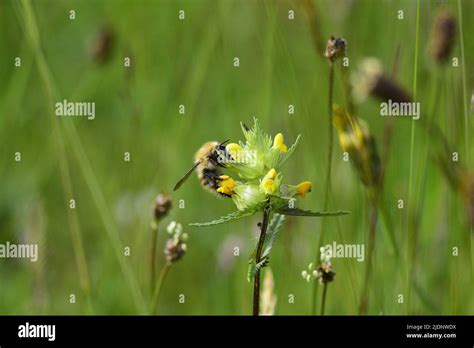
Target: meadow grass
[(190, 62)]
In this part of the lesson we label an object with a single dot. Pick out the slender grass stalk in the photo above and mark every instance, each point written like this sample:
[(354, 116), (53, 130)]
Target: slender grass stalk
[(328, 175), (258, 255), (32, 33), (347, 89), (330, 135), (154, 240), (159, 286), (373, 217), (464, 88), (466, 124), (323, 299), (412, 145)]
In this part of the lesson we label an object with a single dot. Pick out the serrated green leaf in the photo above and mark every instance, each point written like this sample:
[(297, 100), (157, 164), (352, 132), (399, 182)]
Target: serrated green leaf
[(301, 212), (253, 268), (227, 218), (286, 155), (273, 230)]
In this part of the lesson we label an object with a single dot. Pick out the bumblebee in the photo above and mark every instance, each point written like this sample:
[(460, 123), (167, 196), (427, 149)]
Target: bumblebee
[(208, 163)]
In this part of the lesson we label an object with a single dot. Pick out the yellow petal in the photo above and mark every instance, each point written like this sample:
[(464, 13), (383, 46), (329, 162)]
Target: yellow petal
[(278, 142), (227, 185), (233, 147), (304, 187), (268, 186), (271, 174)]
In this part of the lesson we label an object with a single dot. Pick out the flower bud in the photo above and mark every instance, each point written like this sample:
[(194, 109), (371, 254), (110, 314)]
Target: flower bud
[(268, 185), (303, 188), (278, 142)]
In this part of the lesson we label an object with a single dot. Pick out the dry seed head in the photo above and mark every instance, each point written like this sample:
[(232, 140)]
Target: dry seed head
[(325, 273), (163, 204), (370, 80), (335, 48), (102, 45), (443, 35), (174, 249)]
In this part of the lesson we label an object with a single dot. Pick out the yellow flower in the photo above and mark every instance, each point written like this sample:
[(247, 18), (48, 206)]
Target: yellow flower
[(356, 139), (233, 149), (303, 188), (268, 182), (278, 143), (227, 185)]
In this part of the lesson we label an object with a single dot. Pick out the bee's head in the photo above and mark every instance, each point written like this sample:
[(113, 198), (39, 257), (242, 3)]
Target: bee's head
[(219, 156)]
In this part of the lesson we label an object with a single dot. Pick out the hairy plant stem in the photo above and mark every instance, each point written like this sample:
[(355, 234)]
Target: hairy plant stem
[(158, 287), (328, 177), (258, 255)]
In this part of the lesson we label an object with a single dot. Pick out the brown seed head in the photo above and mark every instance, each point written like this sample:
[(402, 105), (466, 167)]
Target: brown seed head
[(174, 249), (335, 48), (163, 204), (443, 35)]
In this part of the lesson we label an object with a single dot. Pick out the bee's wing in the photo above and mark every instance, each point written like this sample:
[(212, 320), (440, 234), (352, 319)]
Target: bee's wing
[(186, 176)]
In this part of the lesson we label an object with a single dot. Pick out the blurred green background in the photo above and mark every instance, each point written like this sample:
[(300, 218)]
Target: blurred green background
[(190, 62)]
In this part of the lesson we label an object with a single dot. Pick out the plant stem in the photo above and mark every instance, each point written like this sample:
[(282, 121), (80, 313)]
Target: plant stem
[(328, 176), (368, 270), (258, 254), (466, 127), (330, 134), (154, 238), (159, 285), (323, 300), (34, 40), (412, 145), (52, 93)]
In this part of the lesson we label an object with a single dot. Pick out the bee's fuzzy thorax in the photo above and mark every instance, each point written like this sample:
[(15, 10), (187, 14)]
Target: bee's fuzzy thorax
[(203, 153)]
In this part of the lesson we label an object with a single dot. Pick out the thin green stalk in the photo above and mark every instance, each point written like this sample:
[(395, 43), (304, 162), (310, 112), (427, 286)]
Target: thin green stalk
[(258, 255), (373, 217), (323, 299), (330, 134), (159, 286), (412, 145), (328, 176), (154, 239), (464, 88), (85, 166), (466, 124), (32, 33)]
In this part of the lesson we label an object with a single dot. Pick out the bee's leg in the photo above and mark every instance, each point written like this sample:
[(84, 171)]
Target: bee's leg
[(210, 178)]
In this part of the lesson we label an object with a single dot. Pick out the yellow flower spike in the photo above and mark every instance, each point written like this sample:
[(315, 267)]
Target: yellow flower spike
[(227, 185), (304, 187), (278, 142)]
